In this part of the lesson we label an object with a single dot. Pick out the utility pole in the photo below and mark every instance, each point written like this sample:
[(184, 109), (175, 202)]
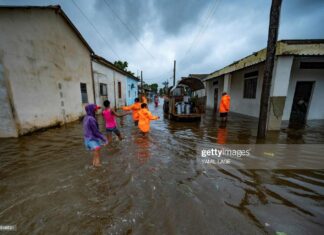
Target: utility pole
[(174, 72), (142, 89), (269, 62)]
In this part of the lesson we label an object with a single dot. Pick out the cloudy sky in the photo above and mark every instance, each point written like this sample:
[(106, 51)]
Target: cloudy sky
[(202, 35)]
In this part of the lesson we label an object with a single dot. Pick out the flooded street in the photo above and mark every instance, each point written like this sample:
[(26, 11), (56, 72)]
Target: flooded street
[(155, 184)]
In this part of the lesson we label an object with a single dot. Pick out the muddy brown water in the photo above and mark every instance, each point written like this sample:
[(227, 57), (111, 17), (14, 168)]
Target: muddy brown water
[(154, 185)]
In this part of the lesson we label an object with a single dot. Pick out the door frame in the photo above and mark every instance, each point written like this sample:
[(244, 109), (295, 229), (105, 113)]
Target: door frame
[(215, 103), (309, 102)]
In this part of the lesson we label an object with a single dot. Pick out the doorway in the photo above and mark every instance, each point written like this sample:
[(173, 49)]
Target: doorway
[(301, 102), (215, 99)]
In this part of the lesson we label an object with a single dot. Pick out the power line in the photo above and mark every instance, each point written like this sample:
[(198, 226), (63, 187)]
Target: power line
[(128, 29), (85, 16), (202, 29)]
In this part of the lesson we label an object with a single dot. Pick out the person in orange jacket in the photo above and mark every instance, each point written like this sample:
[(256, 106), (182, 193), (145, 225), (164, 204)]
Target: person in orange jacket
[(134, 108), (224, 106), (145, 117), (144, 100)]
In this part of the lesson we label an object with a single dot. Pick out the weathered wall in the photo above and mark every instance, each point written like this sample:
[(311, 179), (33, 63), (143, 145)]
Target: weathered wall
[(38, 51), (103, 74), (210, 91), (316, 110), (123, 79), (131, 93), (106, 75), (7, 122), (250, 107)]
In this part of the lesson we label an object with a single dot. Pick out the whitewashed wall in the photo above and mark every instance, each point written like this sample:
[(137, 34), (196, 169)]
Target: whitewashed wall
[(250, 107), (39, 50), (123, 79), (210, 91), (106, 75), (316, 110), (103, 74)]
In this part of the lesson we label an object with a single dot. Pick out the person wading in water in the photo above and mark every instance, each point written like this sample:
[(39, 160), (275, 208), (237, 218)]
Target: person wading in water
[(224, 106)]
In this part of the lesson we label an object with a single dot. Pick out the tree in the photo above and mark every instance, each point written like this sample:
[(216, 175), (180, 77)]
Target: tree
[(123, 66), (154, 87), (161, 92)]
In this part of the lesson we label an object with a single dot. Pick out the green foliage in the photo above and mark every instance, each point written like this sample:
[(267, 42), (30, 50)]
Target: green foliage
[(154, 87), (161, 91), (123, 66)]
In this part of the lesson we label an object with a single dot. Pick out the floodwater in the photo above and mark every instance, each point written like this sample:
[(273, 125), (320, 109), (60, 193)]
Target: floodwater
[(154, 184)]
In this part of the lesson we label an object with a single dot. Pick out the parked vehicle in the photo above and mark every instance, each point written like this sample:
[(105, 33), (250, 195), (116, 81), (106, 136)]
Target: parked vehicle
[(181, 104)]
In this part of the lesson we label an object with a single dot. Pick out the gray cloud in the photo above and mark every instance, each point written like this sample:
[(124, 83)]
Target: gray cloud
[(168, 28), (176, 14)]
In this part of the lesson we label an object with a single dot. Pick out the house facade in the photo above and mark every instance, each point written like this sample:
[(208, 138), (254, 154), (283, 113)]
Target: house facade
[(297, 83), (112, 83), (131, 89), (45, 70)]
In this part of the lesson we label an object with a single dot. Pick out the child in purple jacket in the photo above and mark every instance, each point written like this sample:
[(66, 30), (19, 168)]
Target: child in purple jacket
[(93, 139)]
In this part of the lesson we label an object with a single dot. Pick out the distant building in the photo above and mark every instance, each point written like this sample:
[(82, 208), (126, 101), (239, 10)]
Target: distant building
[(112, 83), (297, 91), (45, 69)]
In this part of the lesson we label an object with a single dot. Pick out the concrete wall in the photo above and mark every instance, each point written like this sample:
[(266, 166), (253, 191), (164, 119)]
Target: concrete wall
[(316, 110), (110, 77), (131, 93), (210, 86), (43, 62), (103, 74), (123, 80), (7, 122), (239, 104), (250, 107)]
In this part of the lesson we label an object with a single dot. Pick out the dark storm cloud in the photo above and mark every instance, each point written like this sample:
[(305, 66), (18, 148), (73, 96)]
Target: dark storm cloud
[(133, 13), (172, 15), (168, 29), (176, 14)]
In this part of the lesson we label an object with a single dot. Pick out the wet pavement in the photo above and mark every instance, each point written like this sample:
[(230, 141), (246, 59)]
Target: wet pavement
[(155, 184)]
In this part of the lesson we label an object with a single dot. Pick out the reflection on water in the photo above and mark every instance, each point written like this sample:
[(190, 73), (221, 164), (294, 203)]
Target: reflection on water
[(154, 184)]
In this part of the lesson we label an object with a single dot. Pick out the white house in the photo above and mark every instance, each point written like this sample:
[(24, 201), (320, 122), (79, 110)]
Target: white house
[(45, 69), (297, 91), (110, 82)]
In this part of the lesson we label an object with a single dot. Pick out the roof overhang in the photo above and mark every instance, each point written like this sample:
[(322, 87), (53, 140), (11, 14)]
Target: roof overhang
[(311, 47)]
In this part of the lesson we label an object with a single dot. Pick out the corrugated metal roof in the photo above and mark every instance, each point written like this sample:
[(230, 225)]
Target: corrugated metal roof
[(310, 47)]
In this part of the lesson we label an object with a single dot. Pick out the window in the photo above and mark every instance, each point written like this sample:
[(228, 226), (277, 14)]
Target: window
[(103, 89), (84, 94), (119, 90), (250, 85), (312, 65)]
